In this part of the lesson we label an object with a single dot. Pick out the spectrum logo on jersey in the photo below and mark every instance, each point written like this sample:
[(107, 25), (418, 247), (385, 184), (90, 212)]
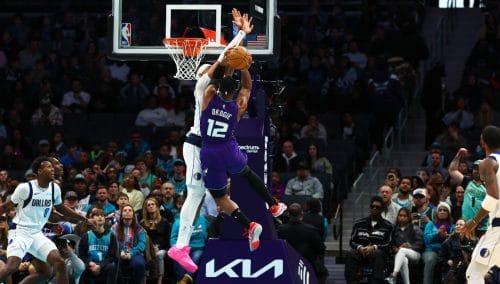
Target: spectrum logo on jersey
[(250, 149)]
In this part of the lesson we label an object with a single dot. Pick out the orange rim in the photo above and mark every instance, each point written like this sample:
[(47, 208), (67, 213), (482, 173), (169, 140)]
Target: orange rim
[(191, 47)]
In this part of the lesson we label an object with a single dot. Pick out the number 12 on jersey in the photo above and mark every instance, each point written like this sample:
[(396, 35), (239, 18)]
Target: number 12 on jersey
[(217, 129)]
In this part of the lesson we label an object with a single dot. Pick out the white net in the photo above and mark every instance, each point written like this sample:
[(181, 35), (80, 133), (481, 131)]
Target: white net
[(187, 54)]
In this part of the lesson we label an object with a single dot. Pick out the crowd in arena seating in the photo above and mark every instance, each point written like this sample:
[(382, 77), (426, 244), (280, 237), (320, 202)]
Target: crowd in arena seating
[(414, 222), (117, 130)]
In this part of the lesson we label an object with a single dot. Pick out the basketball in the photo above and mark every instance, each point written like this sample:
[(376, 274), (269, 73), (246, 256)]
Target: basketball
[(238, 58)]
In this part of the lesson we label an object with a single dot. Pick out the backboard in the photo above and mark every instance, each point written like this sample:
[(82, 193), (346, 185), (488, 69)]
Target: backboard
[(136, 29)]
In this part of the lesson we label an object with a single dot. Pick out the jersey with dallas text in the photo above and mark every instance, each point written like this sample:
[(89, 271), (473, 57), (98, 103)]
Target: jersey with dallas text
[(199, 90), (34, 206)]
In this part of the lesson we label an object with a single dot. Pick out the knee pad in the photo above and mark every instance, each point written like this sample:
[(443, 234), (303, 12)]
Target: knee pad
[(218, 193)]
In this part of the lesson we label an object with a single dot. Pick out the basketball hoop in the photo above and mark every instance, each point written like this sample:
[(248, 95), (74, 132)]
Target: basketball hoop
[(189, 59)]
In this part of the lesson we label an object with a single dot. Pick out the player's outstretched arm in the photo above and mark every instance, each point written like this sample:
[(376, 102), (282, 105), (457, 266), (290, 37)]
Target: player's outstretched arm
[(244, 95), (245, 27), (71, 214)]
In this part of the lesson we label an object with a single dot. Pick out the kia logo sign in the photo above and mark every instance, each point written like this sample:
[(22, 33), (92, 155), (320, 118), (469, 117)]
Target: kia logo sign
[(246, 269)]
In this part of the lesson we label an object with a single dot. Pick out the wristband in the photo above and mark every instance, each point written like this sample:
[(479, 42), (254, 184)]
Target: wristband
[(489, 203)]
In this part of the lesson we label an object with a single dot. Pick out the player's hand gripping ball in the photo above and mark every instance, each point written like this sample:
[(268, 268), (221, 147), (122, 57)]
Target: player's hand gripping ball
[(238, 58)]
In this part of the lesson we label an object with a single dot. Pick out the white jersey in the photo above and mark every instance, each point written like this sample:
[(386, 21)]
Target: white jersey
[(33, 212), (496, 212), (199, 90)]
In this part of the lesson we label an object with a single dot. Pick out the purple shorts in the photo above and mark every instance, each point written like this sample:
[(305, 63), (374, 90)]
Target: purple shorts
[(217, 160)]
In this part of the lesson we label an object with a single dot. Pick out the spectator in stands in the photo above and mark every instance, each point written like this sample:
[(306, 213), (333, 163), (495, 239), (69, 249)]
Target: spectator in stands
[(357, 57), (105, 99), (457, 203), (152, 114), (81, 188), (421, 213), (475, 191), (423, 174), (485, 116), (433, 148), (490, 30), (313, 129), (133, 93), (164, 161), (98, 249), (76, 100), (391, 209), (146, 167), (451, 141), (58, 146), (436, 164), (178, 178), (461, 116), (319, 164), (136, 147), (130, 186), (101, 201), (21, 145), (288, 160), (407, 245), (434, 188), (132, 245), (180, 113), (455, 255), (71, 200), (403, 197), (72, 156), (370, 242), (392, 181), (435, 234), (277, 188), (197, 242), (304, 184), (47, 114), (312, 216), (158, 230), (30, 54), (4, 231), (386, 100), (305, 239), (74, 264)]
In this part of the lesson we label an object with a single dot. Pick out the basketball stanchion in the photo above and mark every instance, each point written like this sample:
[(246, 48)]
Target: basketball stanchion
[(187, 54)]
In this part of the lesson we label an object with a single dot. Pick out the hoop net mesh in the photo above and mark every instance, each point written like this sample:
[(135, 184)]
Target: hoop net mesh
[(189, 59)]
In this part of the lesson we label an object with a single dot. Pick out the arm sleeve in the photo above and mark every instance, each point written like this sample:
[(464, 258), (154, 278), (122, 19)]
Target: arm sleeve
[(140, 247), (20, 193), (57, 195)]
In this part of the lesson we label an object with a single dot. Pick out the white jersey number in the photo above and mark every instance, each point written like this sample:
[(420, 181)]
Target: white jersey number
[(217, 129)]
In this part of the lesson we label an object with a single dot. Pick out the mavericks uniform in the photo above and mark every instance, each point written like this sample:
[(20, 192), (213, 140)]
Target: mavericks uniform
[(220, 152), (34, 205), (487, 251), (191, 148)]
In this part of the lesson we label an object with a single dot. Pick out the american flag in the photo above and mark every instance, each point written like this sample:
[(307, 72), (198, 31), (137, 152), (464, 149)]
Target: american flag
[(259, 40)]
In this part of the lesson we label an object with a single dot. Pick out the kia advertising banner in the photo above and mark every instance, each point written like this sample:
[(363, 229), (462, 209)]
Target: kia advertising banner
[(228, 259)]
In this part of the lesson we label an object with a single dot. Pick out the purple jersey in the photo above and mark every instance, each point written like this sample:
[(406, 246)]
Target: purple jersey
[(220, 153), (218, 121)]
